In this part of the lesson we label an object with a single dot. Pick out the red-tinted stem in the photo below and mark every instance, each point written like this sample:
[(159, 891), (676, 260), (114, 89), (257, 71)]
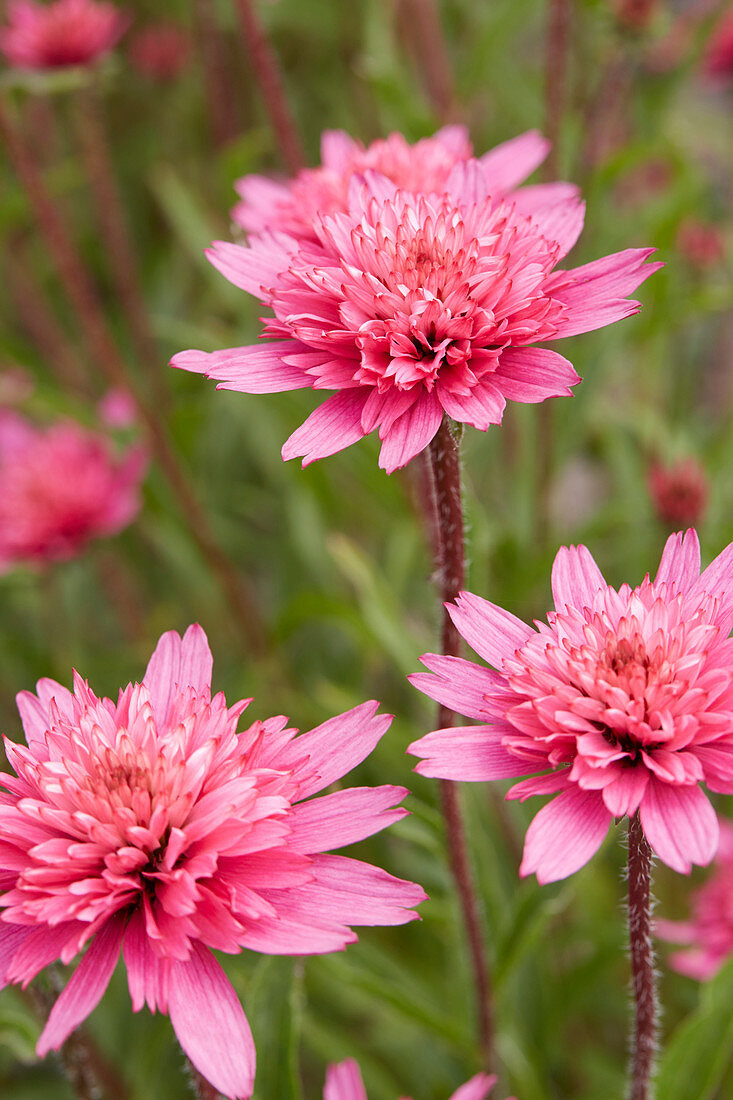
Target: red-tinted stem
[(220, 107), (82, 295), (642, 962), (269, 77), (451, 561), (424, 33), (203, 1089)]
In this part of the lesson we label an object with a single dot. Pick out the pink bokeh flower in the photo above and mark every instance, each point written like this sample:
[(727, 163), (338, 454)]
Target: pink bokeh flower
[(61, 487), (718, 57), (708, 935), (160, 51), (344, 1082), (679, 492), (623, 701), (414, 306), (149, 826), (60, 34)]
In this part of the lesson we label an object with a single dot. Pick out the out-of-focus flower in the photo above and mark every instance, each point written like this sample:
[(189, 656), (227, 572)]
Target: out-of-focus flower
[(61, 34), (708, 935), (635, 15), (624, 701), (415, 306), (16, 385), (344, 1082), (679, 492), (295, 206), (644, 182), (718, 58), (160, 51), (149, 826), (60, 487), (117, 409), (700, 243)]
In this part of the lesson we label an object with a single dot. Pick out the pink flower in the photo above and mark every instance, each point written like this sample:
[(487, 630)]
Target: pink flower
[(59, 34), (344, 1082), (679, 492), (160, 51), (700, 243), (60, 487), (623, 701), (708, 935), (149, 826), (413, 306), (295, 206), (718, 58)]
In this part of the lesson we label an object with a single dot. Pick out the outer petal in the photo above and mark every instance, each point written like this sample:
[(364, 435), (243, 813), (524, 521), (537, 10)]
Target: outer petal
[(562, 223), (477, 1088), (680, 562), (85, 987), (147, 974), (596, 293), (531, 375), (576, 579), (481, 408), (493, 632), (210, 1024), (344, 1082), (471, 753), (463, 686), (564, 835), (337, 150), (11, 937), (680, 824), (255, 267), (332, 427), (256, 368), (511, 162), (344, 817), (411, 432), (176, 664), (718, 577)]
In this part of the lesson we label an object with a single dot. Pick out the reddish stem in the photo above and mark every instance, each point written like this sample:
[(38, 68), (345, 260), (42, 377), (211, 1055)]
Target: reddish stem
[(642, 962), (424, 36), (217, 75), (451, 559), (269, 78)]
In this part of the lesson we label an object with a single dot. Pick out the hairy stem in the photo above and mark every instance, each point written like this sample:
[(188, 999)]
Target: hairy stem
[(202, 1088), (642, 962), (451, 559)]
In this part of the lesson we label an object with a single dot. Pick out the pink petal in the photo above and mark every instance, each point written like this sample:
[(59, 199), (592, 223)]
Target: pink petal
[(595, 293), (623, 795), (85, 987), (493, 632), (411, 433), (210, 1024), (256, 368), (477, 1088), (576, 579), (331, 427), (481, 408), (344, 817), (470, 753), (717, 579), (11, 938), (337, 150), (680, 824), (530, 200), (680, 561), (177, 664), (344, 1082), (147, 973), (463, 686), (531, 375), (561, 223), (564, 835), (511, 162), (255, 267)]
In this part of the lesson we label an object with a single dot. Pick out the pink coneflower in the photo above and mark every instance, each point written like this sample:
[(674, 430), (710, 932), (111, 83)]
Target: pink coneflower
[(718, 58), (700, 243), (60, 34), (160, 51), (708, 935), (149, 826), (412, 306), (61, 487), (344, 1082), (295, 206), (679, 492), (623, 701)]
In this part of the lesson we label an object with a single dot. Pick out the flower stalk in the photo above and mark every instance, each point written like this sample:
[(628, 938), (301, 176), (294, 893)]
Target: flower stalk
[(642, 962), (451, 558)]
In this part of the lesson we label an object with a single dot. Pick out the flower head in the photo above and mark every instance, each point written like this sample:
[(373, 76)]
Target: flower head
[(150, 826), (60, 487), (344, 1082), (708, 935), (718, 57), (679, 492), (160, 51), (413, 306), (60, 34), (623, 701)]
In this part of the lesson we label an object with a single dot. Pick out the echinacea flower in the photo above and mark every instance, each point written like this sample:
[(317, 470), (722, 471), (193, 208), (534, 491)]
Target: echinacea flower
[(61, 34), (718, 56), (414, 306), (679, 492), (294, 206), (622, 702), (60, 487), (149, 826), (344, 1082), (160, 51), (708, 935)]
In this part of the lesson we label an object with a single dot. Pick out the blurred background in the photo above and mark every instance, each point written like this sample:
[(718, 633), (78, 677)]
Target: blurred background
[(315, 586)]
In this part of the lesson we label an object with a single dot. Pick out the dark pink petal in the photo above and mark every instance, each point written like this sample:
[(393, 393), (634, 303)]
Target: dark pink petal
[(256, 368), (540, 784), (463, 686), (481, 408), (531, 375), (344, 1082), (471, 753), (477, 1088), (493, 632), (210, 1024), (576, 579), (345, 817), (564, 835), (283, 936), (42, 946), (680, 824), (11, 938), (411, 432), (176, 664), (147, 973), (508, 164), (623, 794), (331, 427), (596, 293), (85, 987), (680, 562)]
